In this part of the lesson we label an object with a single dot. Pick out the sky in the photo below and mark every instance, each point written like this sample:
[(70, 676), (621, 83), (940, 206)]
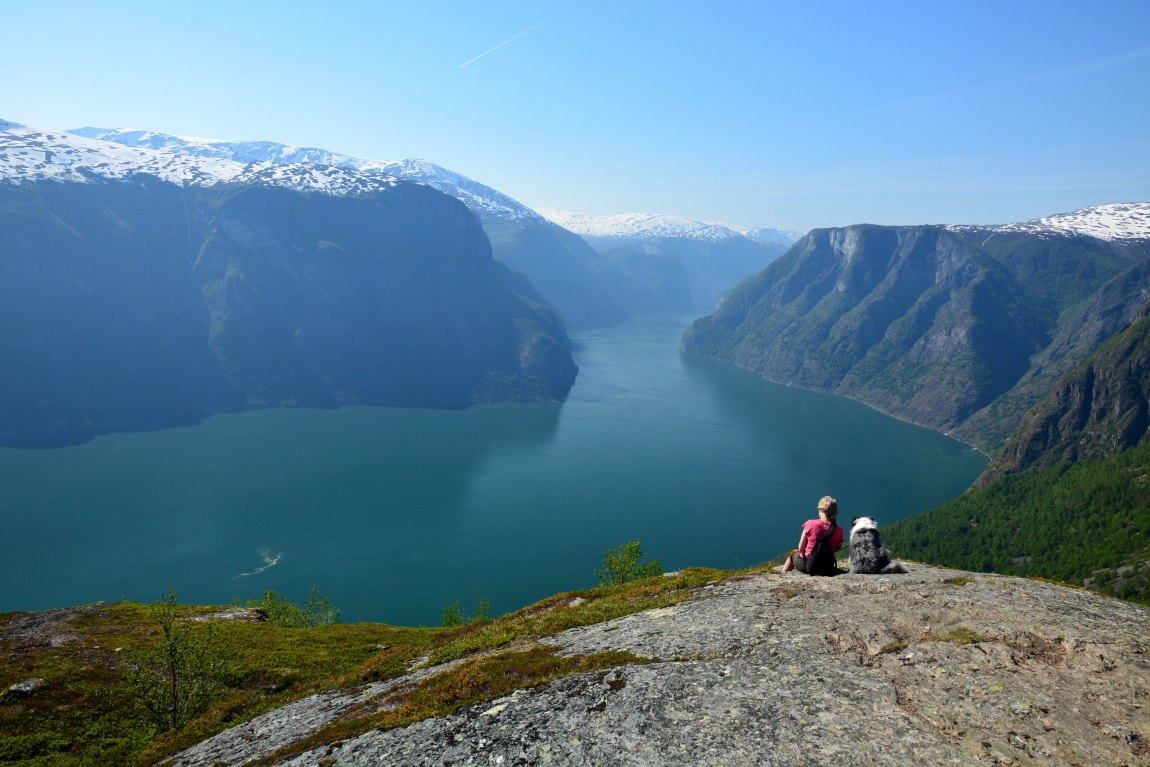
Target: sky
[(791, 115)]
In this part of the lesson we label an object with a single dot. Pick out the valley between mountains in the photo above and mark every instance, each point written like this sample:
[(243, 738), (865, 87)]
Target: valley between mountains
[(149, 281)]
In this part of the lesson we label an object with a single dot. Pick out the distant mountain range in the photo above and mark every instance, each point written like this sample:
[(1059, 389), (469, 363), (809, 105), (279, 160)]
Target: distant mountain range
[(587, 287), (143, 288), (715, 256), (961, 329)]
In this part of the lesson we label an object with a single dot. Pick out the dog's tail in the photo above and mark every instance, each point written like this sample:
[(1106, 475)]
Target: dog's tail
[(894, 568)]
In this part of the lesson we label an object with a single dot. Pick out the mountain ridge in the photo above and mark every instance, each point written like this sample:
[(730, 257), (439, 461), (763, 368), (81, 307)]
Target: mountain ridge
[(870, 312), (136, 301), (565, 270)]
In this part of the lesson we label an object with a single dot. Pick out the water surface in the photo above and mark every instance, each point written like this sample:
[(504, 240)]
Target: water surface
[(397, 512)]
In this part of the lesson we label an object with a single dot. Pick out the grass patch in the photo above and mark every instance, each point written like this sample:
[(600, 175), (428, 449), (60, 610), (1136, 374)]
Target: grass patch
[(959, 635), (960, 581), (901, 644), (86, 712)]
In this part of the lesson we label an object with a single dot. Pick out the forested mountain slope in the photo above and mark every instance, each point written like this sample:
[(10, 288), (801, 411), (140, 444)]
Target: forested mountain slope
[(1086, 523), (932, 324), (140, 290)]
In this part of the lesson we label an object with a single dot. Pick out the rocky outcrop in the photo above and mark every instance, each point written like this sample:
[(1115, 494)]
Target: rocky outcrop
[(1097, 410), (934, 667)]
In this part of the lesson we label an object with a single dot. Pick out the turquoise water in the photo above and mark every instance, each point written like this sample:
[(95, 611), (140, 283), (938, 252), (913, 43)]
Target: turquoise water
[(398, 512)]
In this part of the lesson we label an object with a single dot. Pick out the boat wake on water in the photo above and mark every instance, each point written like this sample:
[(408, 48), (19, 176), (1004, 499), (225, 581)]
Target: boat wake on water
[(269, 561)]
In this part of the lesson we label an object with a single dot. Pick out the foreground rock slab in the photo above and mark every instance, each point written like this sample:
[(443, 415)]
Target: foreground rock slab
[(934, 667)]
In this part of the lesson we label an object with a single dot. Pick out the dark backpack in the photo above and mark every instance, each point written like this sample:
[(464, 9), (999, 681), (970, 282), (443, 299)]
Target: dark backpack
[(822, 560)]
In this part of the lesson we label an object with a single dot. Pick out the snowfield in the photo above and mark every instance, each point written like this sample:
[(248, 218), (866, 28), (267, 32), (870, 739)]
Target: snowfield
[(478, 197), (1113, 222), (640, 225), (28, 154)]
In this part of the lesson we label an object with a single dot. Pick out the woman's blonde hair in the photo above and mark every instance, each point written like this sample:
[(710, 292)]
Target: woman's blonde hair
[(830, 507)]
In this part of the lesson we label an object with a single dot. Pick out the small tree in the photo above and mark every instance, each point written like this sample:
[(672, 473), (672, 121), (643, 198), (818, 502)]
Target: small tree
[(176, 678), (621, 564), (453, 617), (282, 612)]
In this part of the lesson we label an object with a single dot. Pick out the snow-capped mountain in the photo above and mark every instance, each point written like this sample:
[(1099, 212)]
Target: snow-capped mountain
[(639, 225), (716, 256), (655, 225), (1114, 222), (768, 234), (33, 154), (480, 198), (563, 267)]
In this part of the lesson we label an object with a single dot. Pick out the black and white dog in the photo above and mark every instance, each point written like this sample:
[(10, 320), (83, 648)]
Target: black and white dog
[(868, 555)]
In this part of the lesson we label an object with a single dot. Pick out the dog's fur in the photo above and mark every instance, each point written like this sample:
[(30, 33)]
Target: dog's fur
[(868, 555)]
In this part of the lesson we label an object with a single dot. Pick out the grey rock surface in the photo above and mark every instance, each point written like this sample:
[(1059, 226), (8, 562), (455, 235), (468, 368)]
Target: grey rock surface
[(27, 686), (290, 724), (790, 670)]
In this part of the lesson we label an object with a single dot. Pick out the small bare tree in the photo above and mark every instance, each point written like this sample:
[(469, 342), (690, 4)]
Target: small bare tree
[(176, 678)]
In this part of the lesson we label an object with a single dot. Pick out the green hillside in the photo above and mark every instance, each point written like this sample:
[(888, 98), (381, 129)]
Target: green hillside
[(1086, 523)]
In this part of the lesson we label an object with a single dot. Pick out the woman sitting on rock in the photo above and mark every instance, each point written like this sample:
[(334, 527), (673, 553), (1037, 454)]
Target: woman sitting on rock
[(813, 531)]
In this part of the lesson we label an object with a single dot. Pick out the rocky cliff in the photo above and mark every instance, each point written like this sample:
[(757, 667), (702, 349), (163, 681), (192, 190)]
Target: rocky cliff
[(960, 329), (1095, 411), (934, 667), (916, 321)]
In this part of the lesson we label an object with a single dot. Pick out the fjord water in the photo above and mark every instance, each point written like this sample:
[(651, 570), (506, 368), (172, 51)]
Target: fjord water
[(397, 512)]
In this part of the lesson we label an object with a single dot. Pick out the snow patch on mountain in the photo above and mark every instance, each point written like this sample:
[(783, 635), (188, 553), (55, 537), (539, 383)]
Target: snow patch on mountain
[(781, 236), (639, 225), (478, 197), (28, 154), (1112, 222)]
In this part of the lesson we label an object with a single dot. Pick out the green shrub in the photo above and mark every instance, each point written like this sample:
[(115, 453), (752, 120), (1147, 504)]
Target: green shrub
[(453, 616), (284, 613), (175, 679), (621, 565)]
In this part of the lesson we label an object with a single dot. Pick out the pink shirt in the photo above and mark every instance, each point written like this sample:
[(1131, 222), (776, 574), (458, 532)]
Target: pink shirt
[(815, 529)]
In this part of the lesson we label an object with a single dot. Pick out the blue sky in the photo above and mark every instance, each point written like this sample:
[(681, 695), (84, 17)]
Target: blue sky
[(789, 115)]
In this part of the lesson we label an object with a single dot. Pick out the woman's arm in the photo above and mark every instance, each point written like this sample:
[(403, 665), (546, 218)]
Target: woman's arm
[(802, 542)]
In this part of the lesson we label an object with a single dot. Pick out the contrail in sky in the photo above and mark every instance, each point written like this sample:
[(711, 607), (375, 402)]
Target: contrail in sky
[(505, 42)]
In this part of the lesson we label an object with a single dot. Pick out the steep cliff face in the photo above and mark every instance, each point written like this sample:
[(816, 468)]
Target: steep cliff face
[(139, 303), (962, 329), (1097, 410), (917, 321), (1081, 330)]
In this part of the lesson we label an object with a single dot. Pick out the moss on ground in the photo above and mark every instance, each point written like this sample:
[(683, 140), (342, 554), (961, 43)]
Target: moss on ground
[(85, 712)]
